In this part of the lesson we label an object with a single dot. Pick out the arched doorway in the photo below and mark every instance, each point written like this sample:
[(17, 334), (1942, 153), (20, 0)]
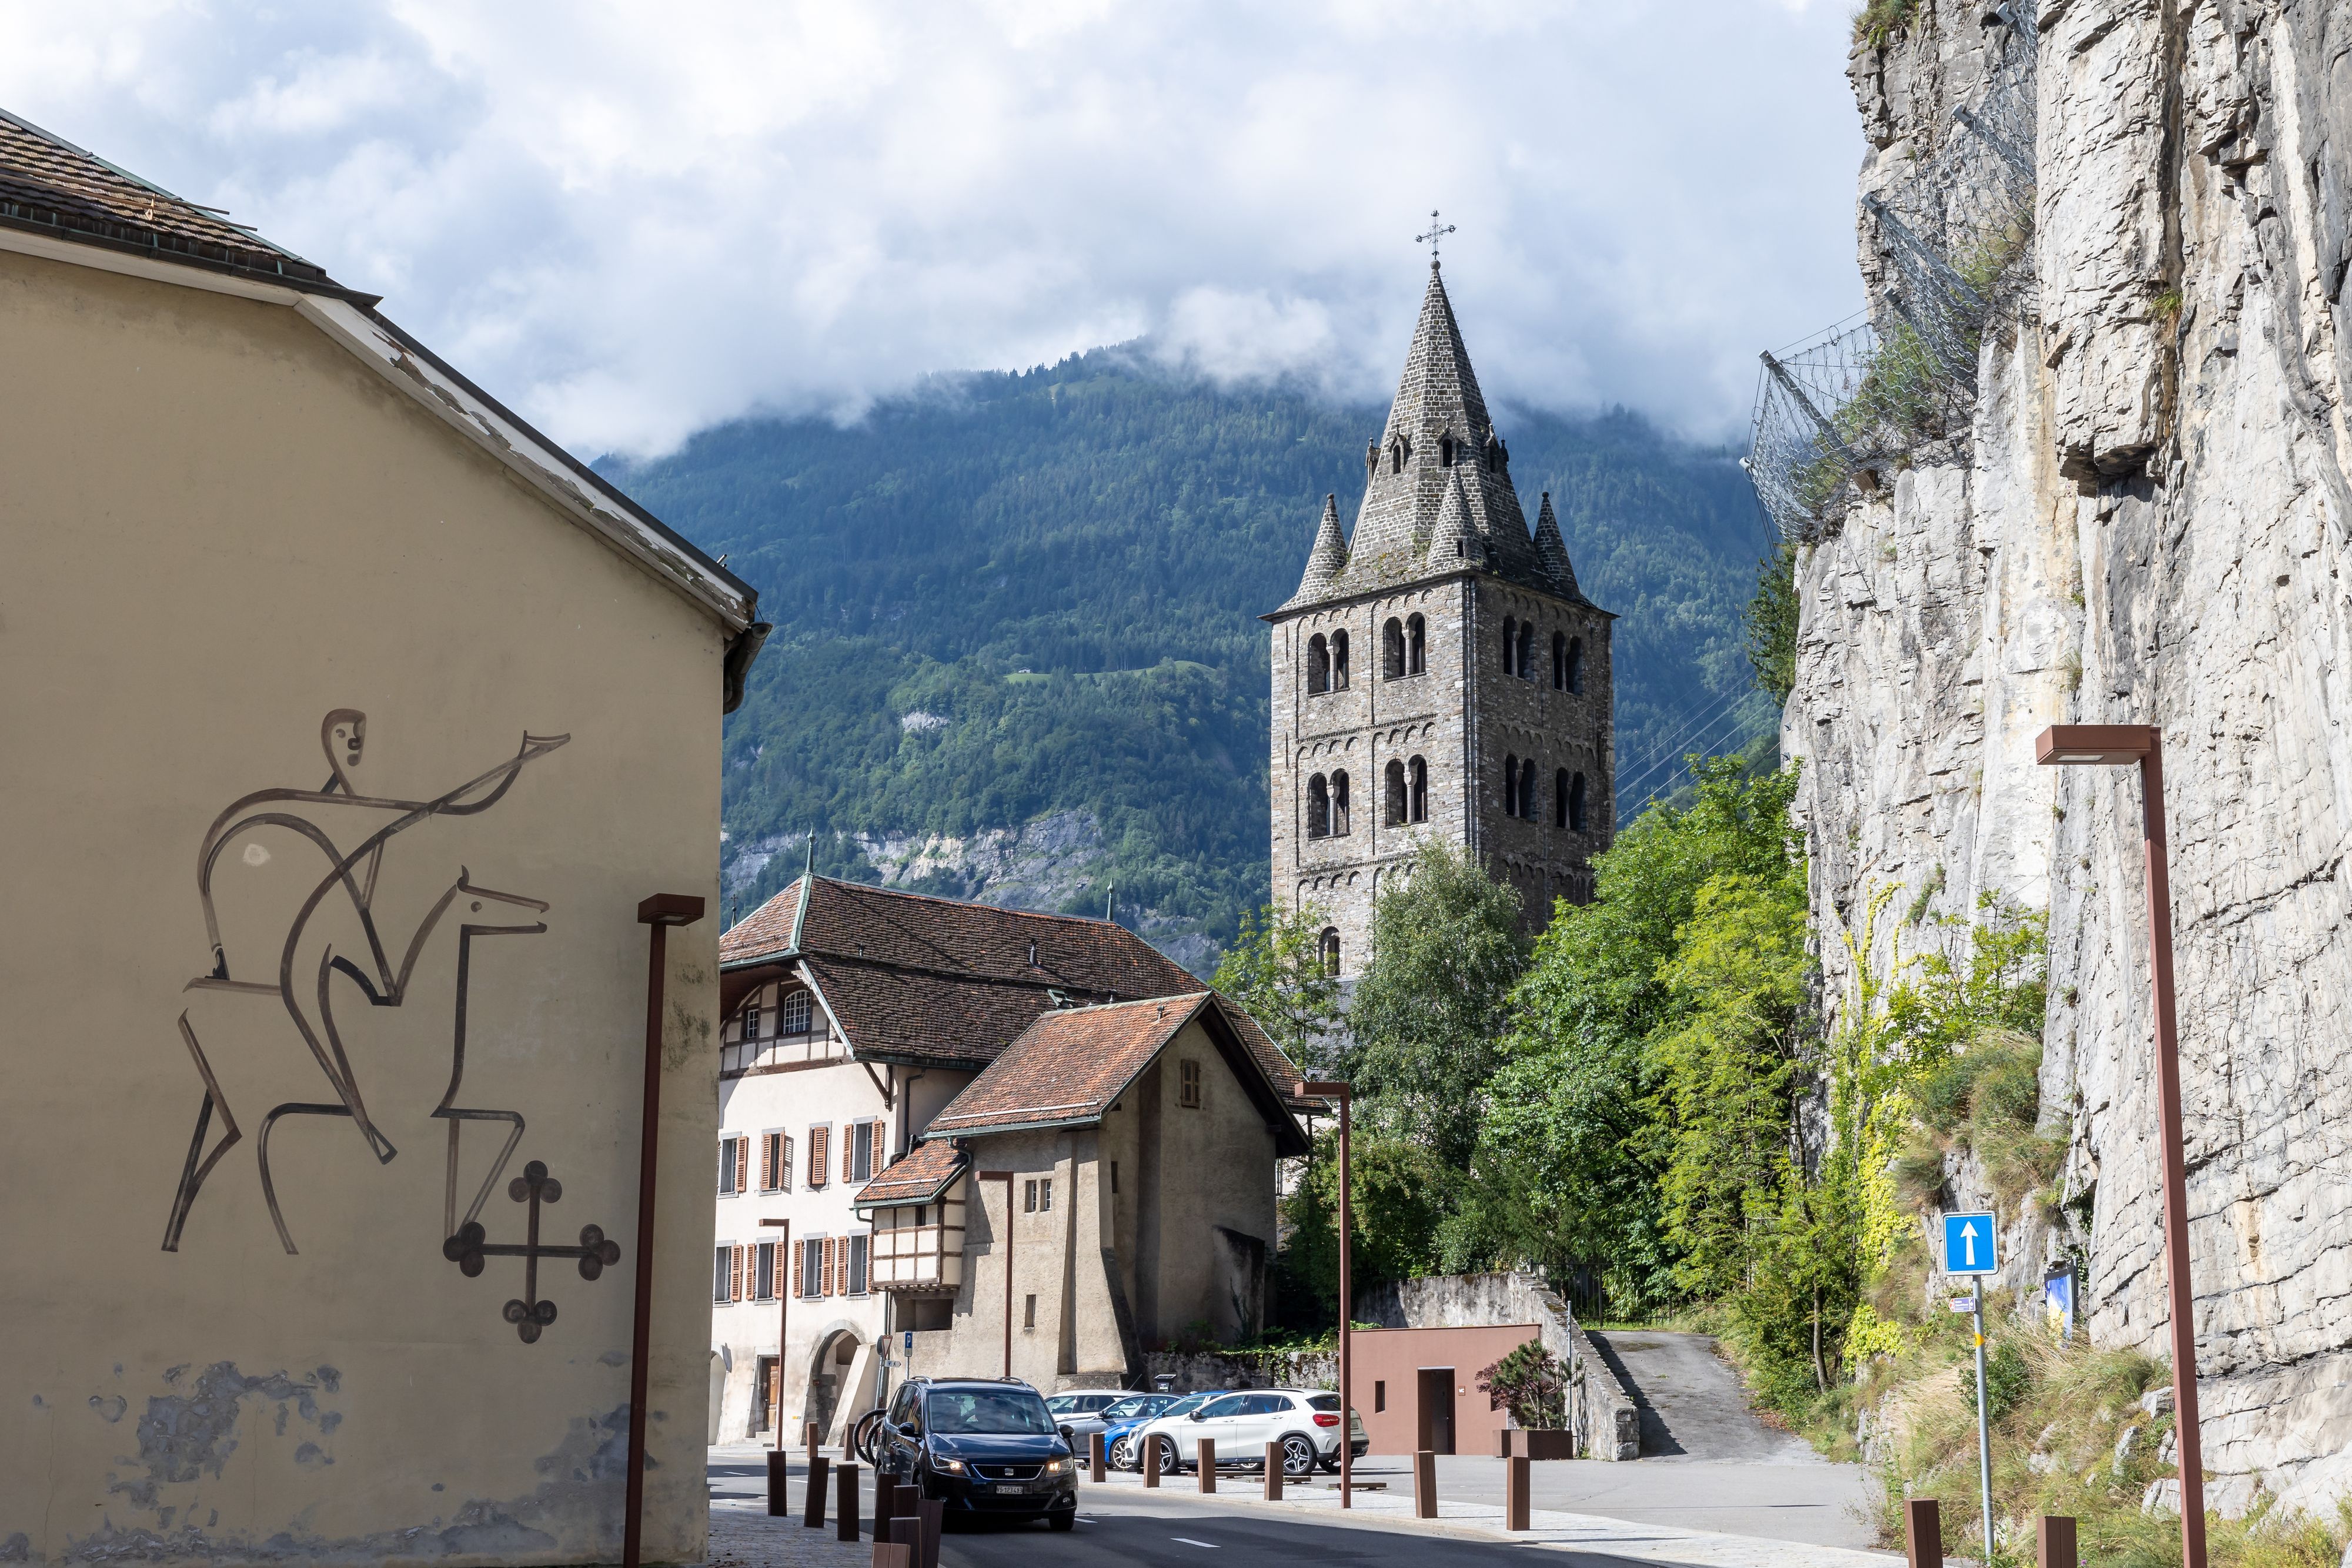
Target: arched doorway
[(830, 1369)]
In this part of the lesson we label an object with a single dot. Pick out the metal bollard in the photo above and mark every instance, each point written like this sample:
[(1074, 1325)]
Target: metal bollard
[(1274, 1472), (1923, 1533), (1425, 1485), (1152, 1462), (779, 1484), (845, 1502), (907, 1531), (2055, 1542), (1515, 1493), (813, 1505), (1095, 1458), (934, 1512), (1204, 1459), (890, 1554)]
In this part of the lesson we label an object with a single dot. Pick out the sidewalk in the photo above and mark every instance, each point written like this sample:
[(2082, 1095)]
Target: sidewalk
[(1632, 1541)]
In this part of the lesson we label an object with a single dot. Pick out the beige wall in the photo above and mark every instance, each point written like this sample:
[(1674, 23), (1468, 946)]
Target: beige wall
[(218, 527)]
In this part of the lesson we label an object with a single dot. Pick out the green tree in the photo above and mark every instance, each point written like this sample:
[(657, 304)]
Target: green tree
[(1771, 623), (1274, 971), (1398, 1193), (1432, 1005)]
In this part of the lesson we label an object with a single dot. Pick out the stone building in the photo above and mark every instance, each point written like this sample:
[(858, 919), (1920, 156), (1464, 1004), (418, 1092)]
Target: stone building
[(858, 1022), (348, 722), (1438, 674)]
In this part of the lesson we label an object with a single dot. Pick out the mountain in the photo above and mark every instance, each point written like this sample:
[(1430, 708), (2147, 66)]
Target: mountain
[(1017, 654)]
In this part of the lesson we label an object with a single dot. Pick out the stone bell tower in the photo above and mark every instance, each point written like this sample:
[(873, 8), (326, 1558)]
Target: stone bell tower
[(1438, 675)]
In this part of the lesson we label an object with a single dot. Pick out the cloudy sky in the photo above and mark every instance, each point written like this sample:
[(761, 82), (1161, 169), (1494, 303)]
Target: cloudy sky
[(631, 221)]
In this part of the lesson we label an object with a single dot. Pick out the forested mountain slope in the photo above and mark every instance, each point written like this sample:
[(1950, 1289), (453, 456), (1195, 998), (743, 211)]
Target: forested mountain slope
[(1017, 654)]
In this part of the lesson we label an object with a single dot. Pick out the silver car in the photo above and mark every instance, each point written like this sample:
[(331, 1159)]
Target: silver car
[(1078, 1411), (1305, 1421)]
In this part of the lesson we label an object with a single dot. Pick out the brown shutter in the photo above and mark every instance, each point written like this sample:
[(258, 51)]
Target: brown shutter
[(799, 1250), (817, 1150), (825, 1268), (841, 1267), (734, 1273), (848, 1143), (784, 1164), (743, 1162), (767, 1162)]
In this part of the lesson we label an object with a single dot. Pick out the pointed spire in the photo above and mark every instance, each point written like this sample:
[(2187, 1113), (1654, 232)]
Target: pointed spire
[(1327, 561), (1455, 538), (1552, 550)]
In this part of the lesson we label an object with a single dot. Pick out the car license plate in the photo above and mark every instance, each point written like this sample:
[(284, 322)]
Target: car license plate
[(1012, 1488)]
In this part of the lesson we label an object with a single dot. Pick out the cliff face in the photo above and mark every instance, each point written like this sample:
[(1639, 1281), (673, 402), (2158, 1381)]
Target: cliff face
[(2146, 522)]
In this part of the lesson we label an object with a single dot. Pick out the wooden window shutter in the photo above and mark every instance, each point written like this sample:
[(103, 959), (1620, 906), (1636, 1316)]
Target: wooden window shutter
[(799, 1274), (785, 1165), (743, 1162), (824, 1269), (841, 1267), (849, 1144), (735, 1273), (817, 1141), (767, 1162)]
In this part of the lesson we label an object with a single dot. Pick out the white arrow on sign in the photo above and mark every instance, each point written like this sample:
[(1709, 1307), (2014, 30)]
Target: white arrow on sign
[(1968, 1241)]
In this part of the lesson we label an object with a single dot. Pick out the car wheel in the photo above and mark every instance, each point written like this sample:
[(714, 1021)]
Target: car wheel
[(1299, 1456), (1120, 1453), (1169, 1464), (1063, 1521), (1330, 1466)]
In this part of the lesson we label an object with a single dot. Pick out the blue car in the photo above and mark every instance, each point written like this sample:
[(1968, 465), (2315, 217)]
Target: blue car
[(1120, 1424)]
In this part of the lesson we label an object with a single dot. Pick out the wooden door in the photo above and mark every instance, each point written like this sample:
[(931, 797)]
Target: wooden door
[(1433, 1409)]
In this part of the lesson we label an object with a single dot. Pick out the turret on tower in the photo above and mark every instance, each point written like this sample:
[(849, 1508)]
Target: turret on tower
[(1438, 673)]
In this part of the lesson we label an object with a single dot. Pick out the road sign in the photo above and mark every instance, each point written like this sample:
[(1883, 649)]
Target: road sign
[(907, 1342), (1968, 1245)]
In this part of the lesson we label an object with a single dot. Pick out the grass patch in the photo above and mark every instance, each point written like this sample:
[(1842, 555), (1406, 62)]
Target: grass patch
[(1881, 22)]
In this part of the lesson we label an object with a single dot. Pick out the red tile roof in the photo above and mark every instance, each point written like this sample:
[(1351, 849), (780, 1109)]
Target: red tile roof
[(48, 185), (916, 1177), (1070, 1066)]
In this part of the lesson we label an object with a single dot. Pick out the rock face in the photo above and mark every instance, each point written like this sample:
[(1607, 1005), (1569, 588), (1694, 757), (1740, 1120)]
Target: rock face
[(2147, 523)]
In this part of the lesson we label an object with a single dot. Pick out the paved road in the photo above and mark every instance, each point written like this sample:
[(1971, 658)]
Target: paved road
[(1692, 1404)]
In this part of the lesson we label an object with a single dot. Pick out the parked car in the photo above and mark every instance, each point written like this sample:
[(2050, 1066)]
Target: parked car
[(1075, 1411), (1305, 1421), (1123, 1451), (981, 1446), (1081, 1422)]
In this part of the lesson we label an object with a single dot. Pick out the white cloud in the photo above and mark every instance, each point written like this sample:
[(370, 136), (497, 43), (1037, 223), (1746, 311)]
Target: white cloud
[(634, 221)]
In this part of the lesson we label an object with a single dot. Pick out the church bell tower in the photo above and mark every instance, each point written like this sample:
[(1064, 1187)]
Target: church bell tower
[(1438, 676)]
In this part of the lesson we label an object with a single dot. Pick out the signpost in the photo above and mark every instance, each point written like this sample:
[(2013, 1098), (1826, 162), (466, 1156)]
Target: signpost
[(1970, 1249)]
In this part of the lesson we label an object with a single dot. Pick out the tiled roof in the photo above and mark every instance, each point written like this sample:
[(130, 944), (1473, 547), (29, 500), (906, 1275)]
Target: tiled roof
[(918, 1177), (49, 185), (1070, 1065)]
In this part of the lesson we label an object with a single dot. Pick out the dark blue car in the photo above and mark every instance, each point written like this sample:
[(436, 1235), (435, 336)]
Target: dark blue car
[(981, 1446)]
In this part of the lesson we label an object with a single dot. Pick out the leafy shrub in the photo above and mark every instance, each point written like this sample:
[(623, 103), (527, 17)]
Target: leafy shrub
[(1531, 1385), (1880, 22)]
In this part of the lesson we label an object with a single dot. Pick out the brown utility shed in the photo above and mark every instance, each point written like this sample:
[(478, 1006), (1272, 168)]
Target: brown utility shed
[(1418, 1388)]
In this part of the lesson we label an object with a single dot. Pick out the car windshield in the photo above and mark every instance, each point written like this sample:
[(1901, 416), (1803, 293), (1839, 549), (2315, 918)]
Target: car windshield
[(1141, 1405), (966, 1412)]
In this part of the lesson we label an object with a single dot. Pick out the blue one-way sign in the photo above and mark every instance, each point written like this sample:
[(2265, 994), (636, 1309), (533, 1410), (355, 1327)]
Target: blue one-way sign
[(1968, 1246)]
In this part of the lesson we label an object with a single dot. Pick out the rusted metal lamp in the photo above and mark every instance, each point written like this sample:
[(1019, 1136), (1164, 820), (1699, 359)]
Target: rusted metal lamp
[(2118, 746), (661, 912), (1344, 1093)]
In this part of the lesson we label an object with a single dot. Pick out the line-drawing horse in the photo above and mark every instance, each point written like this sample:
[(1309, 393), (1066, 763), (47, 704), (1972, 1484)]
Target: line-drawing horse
[(354, 872)]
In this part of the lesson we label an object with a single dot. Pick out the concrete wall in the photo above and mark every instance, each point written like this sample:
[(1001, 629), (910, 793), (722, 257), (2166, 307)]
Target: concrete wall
[(220, 528)]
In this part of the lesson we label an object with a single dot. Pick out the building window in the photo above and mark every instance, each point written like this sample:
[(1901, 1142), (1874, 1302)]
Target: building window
[(1392, 806), (1416, 645), (1446, 452), (819, 1138), (722, 1266), (1379, 1395), (1319, 666), (809, 1267), (1560, 791), (733, 1153), (752, 1021), (1338, 803), (1329, 948), (860, 1253), (1028, 1320), (1028, 1197), (775, 1163), (1114, 1178), (764, 1286), (1392, 648), (795, 1018), (1560, 661), (1397, 455), (1511, 785), (1575, 803), (1037, 1196), (1576, 663), (1188, 1074), (1525, 666), (1511, 645), (860, 1152), (1416, 789), (1338, 661), (1528, 788), (1319, 807)]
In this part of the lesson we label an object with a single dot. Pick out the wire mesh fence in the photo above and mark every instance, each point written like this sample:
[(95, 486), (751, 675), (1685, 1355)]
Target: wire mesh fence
[(1952, 244)]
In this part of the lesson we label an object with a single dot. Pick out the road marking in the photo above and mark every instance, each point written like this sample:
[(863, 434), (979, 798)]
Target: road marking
[(1190, 1542)]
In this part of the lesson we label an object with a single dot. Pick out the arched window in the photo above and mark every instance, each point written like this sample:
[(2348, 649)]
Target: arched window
[(1511, 785), (1416, 645), (1392, 648), (1528, 788), (1416, 790), (1559, 789), (1397, 455), (1446, 452), (1575, 803), (1560, 661), (1338, 661), (1510, 646), (1338, 803), (1329, 948), (1319, 807), (795, 1020), (1318, 664), (1525, 668), (1393, 804), (1576, 663)]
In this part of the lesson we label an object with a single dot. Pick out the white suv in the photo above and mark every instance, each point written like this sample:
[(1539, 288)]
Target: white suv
[(1306, 1422)]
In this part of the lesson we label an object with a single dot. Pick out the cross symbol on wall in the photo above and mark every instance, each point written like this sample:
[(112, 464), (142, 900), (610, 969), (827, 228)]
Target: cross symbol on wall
[(1430, 239), (470, 1245)]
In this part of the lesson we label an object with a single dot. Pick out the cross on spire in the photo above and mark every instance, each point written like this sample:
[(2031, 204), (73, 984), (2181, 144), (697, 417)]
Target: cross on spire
[(1430, 239)]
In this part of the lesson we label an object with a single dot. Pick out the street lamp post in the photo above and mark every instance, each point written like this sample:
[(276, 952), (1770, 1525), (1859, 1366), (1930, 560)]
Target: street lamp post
[(2113, 746), (1333, 1089)]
